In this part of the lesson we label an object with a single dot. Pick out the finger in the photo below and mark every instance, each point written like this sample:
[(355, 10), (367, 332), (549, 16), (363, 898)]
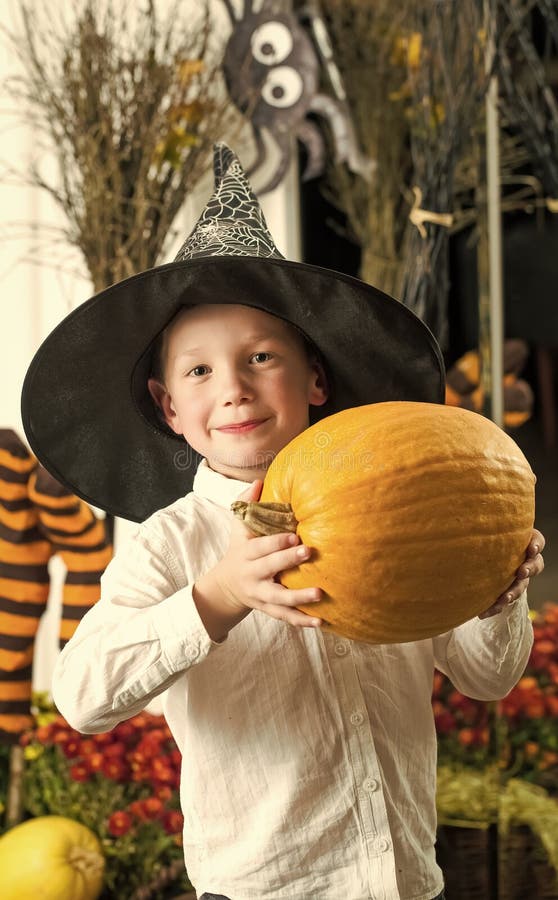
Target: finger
[(536, 544), (492, 611), (280, 560), (282, 596), (266, 546), (531, 567), (512, 594), (291, 616)]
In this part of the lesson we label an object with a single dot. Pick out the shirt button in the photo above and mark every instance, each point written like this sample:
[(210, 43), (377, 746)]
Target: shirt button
[(357, 718), (370, 784), (383, 845), (341, 649)]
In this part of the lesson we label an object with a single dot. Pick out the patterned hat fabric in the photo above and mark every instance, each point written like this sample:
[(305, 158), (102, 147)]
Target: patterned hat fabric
[(86, 409), (232, 223)]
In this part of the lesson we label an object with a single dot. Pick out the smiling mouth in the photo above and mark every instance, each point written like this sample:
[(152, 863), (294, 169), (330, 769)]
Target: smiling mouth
[(242, 427)]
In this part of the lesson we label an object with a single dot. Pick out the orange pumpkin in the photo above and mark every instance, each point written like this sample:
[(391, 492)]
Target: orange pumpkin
[(418, 515)]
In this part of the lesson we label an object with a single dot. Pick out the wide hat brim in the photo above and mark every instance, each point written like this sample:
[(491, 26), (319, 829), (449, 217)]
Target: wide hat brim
[(85, 406)]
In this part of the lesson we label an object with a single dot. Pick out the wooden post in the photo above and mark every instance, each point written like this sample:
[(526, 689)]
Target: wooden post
[(14, 800), (491, 305)]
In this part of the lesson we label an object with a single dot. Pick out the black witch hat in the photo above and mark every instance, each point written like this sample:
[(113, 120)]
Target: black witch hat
[(86, 408)]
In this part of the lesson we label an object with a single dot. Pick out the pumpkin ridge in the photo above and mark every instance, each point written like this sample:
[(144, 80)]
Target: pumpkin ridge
[(418, 518)]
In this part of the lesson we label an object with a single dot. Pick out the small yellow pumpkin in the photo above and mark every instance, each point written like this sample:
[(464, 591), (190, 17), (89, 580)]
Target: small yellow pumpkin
[(418, 515), (50, 858)]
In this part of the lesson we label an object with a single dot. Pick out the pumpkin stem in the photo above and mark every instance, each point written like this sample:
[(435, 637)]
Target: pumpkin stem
[(265, 518), (85, 861)]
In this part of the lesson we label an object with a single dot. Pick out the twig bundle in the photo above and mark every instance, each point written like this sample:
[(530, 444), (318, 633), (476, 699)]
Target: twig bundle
[(128, 103)]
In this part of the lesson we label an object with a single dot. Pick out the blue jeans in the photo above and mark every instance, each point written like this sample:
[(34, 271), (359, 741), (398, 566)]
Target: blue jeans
[(221, 897)]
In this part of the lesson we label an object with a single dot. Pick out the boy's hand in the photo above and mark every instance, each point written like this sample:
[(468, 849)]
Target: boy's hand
[(245, 578), (532, 565)]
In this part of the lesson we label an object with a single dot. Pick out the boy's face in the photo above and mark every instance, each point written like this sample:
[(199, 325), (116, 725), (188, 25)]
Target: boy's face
[(238, 384)]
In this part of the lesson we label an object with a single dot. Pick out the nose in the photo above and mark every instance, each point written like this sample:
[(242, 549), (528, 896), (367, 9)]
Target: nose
[(234, 387)]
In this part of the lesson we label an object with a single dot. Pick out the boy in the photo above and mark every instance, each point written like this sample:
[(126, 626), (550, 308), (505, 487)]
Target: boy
[(309, 761)]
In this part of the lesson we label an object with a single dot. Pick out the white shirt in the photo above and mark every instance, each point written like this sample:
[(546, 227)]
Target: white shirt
[(309, 761)]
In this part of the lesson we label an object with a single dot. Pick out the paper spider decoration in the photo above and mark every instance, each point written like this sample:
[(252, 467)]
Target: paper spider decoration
[(272, 70)]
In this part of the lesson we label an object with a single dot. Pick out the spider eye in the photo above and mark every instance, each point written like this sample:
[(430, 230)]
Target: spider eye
[(271, 43), (283, 87)]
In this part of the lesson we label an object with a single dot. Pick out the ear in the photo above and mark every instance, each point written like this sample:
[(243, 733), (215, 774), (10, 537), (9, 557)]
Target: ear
[(163, 402), (319, 391)]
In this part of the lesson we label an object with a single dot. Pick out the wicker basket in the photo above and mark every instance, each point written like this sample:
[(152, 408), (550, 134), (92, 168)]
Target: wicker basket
[(545, 879), (464, 856), (515, 877)]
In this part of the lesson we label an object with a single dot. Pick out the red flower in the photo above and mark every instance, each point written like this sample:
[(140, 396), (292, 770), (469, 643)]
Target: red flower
[(115, 769), (79, 772), (161, 771), (119, 823), (173, 821), (439, 682), (176, 757), (445, 722), (71, 748), (125, 731), (87, 747), (115, 750), (137, 810), (152, 807), (102, 739)]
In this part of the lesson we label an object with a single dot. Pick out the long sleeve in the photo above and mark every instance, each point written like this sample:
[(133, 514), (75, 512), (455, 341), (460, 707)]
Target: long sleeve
[(485, 658), (138, 639)]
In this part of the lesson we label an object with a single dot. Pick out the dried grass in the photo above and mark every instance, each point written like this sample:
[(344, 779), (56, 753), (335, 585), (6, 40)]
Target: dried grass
[(128, 103)]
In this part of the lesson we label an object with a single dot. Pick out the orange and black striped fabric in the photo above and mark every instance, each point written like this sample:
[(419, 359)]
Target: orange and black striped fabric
[(38, 519)]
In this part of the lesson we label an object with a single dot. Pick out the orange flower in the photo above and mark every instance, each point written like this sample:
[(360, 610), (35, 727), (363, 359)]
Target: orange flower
[(531, 749), (44, 733), (466, 736), (535, 709), (95, 762)]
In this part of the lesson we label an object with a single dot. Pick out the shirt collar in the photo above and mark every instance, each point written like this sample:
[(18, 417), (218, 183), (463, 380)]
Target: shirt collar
[(216, 487)]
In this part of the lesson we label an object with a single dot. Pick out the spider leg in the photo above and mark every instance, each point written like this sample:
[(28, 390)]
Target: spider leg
[(344, 137), (310, 135)]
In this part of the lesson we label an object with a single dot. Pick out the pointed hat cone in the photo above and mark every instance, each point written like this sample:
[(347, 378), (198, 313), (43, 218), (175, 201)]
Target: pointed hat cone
[(232, 223)]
